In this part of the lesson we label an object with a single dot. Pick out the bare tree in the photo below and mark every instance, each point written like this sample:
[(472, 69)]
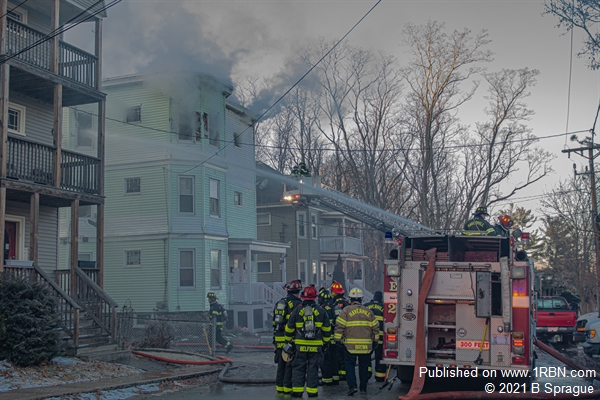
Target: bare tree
[(569, 240), (502, 145), (440, 66), (582, 14)]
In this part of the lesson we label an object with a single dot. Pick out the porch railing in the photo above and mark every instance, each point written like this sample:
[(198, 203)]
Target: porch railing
[(34, 162), (68, 309), (256, 292), (74, 63), (341, 244)]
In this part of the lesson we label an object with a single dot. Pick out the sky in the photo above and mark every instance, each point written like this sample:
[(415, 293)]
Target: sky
[(236, 39)]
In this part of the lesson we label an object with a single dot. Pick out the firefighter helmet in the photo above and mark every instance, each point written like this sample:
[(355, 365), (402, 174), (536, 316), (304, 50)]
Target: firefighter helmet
[(294, 286), (212, 297), (309, 293), (337, 288), (481, 210), (378, 296), (355, 293), (506, 220), (324, 296)]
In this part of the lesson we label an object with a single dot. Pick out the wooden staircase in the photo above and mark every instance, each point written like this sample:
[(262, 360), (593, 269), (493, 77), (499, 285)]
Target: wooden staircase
[(88, 313)]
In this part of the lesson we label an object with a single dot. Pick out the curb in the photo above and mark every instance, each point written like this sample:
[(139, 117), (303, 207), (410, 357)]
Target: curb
[(40, 393)]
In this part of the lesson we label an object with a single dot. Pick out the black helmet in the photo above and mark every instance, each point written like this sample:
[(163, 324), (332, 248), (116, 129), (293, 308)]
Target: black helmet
[(378, 296), (481, 210)]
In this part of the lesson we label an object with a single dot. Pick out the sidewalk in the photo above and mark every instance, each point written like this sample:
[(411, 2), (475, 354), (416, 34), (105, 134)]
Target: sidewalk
[(110, 384)]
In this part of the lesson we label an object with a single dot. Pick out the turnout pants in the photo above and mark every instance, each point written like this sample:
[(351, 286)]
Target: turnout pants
[(306, 371), (222, 341), (364, 360), (341, 363), (329, 369), (283, 380), (379, 367)]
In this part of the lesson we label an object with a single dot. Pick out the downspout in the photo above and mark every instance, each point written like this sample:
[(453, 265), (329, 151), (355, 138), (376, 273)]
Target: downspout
[(167, 240)]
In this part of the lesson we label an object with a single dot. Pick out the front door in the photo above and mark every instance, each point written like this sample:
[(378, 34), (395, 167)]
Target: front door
[(10, 240)]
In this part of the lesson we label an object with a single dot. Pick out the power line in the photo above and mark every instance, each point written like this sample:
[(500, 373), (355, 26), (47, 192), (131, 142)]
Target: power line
[(14, 8), (333, 149)]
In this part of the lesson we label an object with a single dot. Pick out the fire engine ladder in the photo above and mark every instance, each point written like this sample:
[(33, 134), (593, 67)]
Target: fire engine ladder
[(372, 216)]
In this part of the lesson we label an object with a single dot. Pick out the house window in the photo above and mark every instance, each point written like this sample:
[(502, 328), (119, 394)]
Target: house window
[(134, 114), (215, 207), (186, 194), (237, 198), (302, 271), (84, 257), (133, 258), (187, 270), (16, 14), (313, 225), (302, 225), (185, 127), (85, 212), (215, 269), (263, 219), (214, 131), (133, 185), (237, 139), (264, 267), (85, 136), (16, 119), (314, 271)]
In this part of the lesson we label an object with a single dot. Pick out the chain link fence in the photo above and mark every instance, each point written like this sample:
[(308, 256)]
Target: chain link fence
[(175, 331)]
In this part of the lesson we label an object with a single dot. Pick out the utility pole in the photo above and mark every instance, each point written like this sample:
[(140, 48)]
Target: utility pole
[(595, 218)]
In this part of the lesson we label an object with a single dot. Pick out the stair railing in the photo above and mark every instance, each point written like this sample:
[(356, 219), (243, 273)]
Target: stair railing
[(99, 306)]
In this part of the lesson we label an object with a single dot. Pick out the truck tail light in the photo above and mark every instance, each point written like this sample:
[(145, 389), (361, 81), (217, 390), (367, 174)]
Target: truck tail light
[(391, 342), (581, 329), (592, 334), (518, 360), (518, 343)]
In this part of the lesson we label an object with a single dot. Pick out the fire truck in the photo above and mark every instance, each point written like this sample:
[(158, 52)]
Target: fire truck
[(458, 303)]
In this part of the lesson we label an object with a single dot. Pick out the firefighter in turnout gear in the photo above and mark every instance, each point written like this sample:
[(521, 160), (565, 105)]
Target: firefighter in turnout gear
[(357, 329), (478, 225), (329, 367), (218, 315), (338, 303), (281, 315), (310, 329), (376, 306)]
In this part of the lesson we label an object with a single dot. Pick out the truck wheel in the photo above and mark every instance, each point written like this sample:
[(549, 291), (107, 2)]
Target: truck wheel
[(405, 373)]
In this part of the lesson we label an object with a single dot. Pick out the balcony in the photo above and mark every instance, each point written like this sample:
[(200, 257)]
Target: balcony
[(341, 245), (33, 162)]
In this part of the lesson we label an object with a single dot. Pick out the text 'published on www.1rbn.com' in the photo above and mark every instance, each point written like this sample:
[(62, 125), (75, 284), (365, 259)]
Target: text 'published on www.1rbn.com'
[(498, 375)]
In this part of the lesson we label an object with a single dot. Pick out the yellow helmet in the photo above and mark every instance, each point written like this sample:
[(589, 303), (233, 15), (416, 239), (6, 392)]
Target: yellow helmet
[(355, 293)]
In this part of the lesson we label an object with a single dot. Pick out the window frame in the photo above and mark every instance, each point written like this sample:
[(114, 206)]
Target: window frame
[(126, 256), (193, 194), (211, 198), (20, 11), (298, 226), (219, 269), (269, 217), (125, 192), (138, 114), (91, 117), (22, 110), (193, 268), (237, 140), (314, 233), (238, 199), (264, 262)]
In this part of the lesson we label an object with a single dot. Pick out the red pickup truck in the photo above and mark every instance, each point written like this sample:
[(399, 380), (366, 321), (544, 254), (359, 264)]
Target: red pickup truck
[(555, 320)]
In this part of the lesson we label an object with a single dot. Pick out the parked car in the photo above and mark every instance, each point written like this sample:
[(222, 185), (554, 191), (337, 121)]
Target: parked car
[(555, 319), (591, 346), (579, 334)]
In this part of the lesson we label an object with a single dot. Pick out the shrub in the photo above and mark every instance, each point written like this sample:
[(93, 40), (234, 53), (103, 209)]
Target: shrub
[(28, 322), (158, 335)]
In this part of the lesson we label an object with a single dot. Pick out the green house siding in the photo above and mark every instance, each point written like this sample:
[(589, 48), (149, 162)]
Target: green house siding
[(241, 219)]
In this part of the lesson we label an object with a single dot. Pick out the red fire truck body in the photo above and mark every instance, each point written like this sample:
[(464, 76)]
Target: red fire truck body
[(478, 312)]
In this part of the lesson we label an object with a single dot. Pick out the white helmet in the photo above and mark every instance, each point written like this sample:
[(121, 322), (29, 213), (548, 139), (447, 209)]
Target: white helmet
[(355, 293)]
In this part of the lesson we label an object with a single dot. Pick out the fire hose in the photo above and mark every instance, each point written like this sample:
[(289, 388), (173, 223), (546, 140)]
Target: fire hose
[(420, 356)]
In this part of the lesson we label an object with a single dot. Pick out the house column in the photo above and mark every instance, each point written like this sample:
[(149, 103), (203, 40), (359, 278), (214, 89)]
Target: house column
[(249, 276), (74, 245), (101, 155), (4, 74), (58, 97), (34, 227), (2, 221), (284, 268)]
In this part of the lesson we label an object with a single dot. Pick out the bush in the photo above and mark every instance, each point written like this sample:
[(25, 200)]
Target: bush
[(158, 335), (28, 322)]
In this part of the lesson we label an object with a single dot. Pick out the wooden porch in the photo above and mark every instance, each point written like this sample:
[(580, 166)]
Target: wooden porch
[(88, 315)]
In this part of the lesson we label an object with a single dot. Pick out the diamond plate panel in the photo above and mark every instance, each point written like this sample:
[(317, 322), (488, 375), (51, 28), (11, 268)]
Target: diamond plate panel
[(407, 314), (469, 330), (499, 345)]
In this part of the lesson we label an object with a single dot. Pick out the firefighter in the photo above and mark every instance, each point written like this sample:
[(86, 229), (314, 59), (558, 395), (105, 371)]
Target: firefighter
[(329, 367), (357, 329), (504, 224), (310, 328), (376, 306), (303, 170), (281, 315), (219, 315), (295, 171), (478, 225), (338, 304)]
